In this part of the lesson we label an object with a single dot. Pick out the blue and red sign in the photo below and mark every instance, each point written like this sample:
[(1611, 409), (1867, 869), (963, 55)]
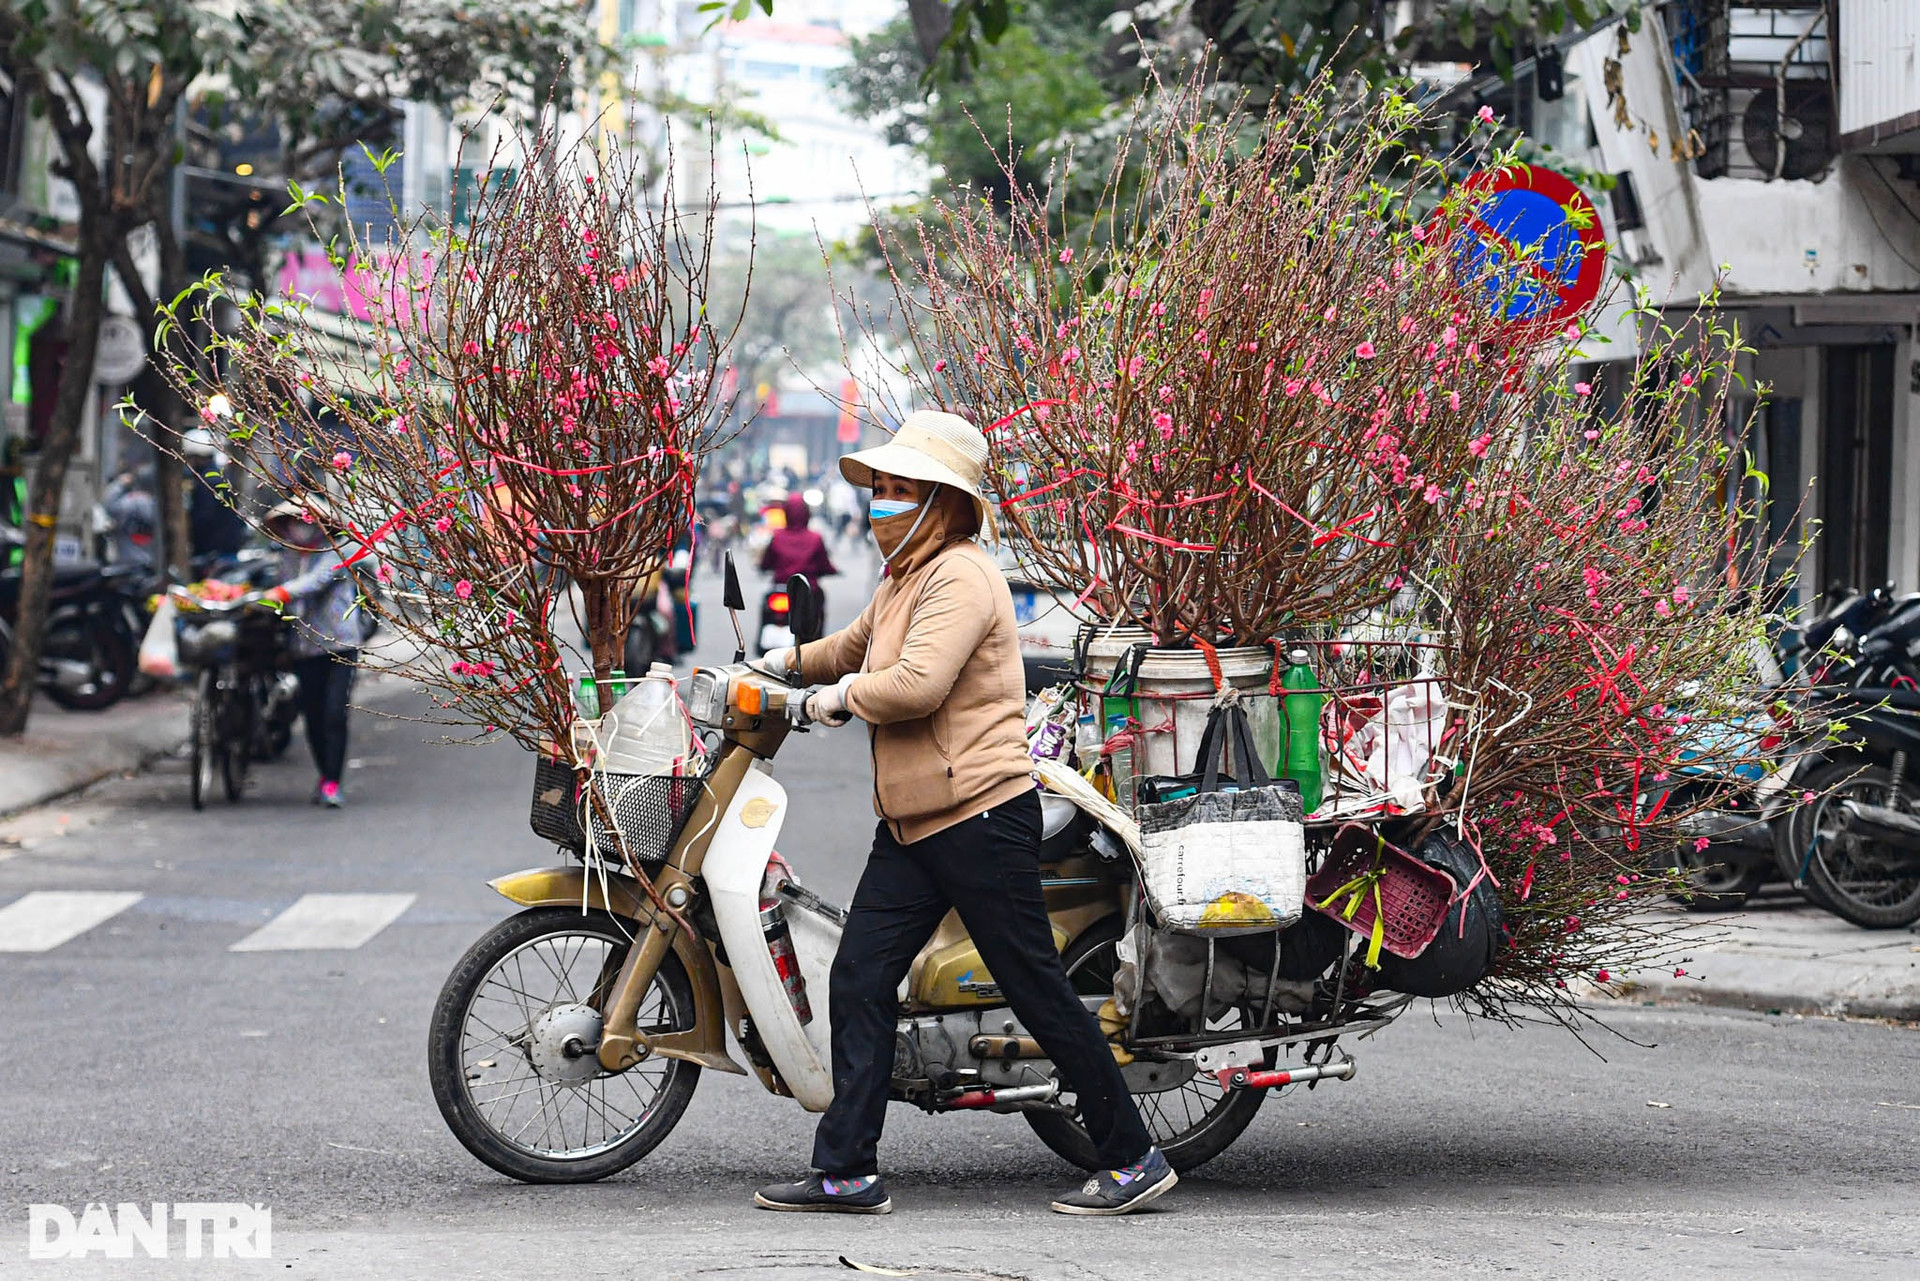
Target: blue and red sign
[(1530, 241)]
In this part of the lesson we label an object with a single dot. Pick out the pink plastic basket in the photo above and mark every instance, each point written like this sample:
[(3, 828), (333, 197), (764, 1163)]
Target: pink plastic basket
[(1412, 898)]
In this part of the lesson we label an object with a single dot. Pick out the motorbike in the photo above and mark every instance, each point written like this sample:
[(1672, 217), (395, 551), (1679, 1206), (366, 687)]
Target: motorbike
[(568, 1041), (1861, 639), (1853, 835), (91, 653), (776, 623), (659, 630)]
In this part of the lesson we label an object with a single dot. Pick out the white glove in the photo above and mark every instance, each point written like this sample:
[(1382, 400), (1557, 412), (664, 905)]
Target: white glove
[(829, 705)]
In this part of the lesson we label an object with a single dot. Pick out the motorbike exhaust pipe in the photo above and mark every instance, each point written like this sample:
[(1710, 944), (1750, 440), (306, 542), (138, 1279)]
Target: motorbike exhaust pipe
[(1002, 1098), (1882, 822), (1244, 1078)]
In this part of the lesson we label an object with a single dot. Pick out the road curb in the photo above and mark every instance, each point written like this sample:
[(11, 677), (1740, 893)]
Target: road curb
[(1901, 1007), (45, 775)]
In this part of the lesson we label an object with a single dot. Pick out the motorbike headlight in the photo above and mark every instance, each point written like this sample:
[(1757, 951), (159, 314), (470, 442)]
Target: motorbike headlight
[(707, 698)]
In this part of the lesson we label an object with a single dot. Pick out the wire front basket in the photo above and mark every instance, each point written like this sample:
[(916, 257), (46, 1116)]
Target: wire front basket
[(648, 811)]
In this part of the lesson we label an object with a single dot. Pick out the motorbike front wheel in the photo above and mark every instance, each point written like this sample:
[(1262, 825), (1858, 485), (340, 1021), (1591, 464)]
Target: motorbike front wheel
[(204, 739), (511, 1050), (1191, 1123)]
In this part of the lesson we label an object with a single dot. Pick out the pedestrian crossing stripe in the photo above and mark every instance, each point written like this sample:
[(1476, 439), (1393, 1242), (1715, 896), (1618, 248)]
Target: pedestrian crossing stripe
[(44, 919), (326, 922)]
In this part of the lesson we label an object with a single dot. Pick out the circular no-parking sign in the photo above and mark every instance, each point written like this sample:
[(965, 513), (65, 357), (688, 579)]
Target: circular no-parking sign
[(1530, 243)]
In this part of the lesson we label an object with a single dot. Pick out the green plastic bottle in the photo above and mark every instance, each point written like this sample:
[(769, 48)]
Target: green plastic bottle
[(1301, 727)]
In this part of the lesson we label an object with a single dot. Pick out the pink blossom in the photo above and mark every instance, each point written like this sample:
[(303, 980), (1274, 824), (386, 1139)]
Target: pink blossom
[(343, 460), (980, 355), (1433, 493), (1700, 845), (1478, 445), (1163, 422), (1486, 118), (1135, 365), (1166, 394), (1419, 233), (1686, 380), (1681, 595), (1583, 389), (1591, 434), (469, 348), (384, 573), (617, 282), (1451, 337), (940, 366), (1453, 400), (1406, 324), (443, 524), (1661, 608), (1066, 255), (1070, 355), (658, 366), (1365, 351), (1294, 385), (463, 589)]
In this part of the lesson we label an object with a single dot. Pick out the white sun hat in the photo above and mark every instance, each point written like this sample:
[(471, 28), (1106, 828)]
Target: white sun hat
[(932, 446)]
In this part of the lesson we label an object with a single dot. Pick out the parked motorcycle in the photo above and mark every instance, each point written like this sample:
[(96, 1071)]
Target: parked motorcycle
[(1853, 832), (90, 655), (567, 1042)]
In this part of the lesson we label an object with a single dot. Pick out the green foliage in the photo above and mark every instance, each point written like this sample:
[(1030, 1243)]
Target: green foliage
[(1034, 85)]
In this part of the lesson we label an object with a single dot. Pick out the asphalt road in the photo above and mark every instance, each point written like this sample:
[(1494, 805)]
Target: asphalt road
[(147, 1061)]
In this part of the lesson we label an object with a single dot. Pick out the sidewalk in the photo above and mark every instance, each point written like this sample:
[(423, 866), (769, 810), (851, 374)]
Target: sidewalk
[(1785, 956), (65, 751)]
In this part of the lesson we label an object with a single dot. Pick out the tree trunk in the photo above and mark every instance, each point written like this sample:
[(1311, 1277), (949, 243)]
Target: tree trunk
[(50, 478)]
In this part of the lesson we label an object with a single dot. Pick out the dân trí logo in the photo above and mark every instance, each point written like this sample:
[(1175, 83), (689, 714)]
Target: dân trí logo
[(207, 1229)]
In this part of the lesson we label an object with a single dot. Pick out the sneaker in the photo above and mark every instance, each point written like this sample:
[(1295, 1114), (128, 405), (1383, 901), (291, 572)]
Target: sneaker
[(329, 795), (827, 1194), (1121, 1191)]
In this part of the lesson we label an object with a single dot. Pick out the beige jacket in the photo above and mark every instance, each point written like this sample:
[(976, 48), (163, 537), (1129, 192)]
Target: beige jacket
[(943, 687)]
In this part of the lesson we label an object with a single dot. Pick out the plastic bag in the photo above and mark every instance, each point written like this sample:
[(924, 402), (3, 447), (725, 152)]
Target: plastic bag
[(160, 648), (1381, 753)]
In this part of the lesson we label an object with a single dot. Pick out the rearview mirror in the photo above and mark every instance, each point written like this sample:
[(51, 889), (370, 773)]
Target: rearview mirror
[(803, 609), (730, 595)]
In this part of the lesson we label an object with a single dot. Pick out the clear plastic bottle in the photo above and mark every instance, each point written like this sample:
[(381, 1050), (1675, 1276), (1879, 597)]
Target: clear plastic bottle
[(645, 732), (1301, 715)]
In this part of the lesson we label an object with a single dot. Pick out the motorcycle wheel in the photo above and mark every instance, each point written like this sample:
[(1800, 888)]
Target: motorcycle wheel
[(1191, 1124), (1870, 883), (202, 740), (111, 658), (497, 1050)]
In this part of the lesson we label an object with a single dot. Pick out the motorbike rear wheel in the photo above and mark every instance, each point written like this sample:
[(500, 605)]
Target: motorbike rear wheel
[(1871, 883), (1191, 1124), (511, 1048)]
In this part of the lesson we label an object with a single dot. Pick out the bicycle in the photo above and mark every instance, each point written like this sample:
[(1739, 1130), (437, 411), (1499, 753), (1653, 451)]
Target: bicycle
[(237, 649)]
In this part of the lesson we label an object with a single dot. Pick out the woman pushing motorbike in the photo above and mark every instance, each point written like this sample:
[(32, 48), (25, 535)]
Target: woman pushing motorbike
[(933, 666)]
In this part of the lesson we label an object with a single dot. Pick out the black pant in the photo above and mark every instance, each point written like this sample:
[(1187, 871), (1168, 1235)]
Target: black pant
[(326, 683), (988, 868)]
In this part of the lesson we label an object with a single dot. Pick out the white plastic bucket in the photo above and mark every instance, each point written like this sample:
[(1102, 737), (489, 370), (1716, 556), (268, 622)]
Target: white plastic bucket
[(1173, 725)]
